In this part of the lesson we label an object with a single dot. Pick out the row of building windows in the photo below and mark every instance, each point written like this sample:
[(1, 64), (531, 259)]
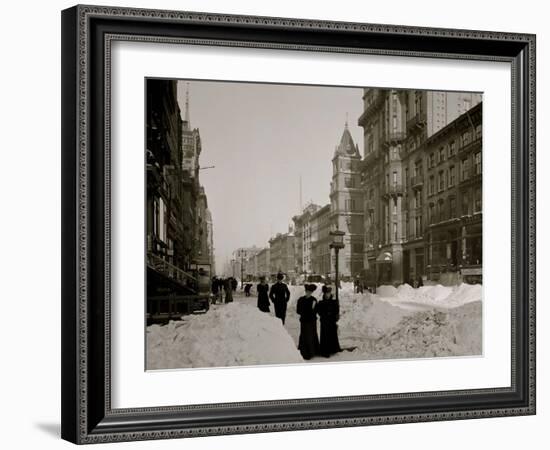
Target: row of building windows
[(447, 178), (437, 212), (448, 151)]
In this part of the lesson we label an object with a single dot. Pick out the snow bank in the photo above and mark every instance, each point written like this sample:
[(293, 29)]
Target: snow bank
[(228, 335), (433, 333), (404, 322), (437, 295), (365, 316)]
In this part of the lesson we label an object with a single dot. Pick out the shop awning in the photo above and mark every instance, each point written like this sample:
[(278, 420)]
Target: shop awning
[(384, 257)]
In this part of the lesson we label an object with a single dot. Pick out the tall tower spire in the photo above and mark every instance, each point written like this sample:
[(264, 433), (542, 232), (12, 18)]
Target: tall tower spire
[(187, 119), (301, 204), (346, 125)]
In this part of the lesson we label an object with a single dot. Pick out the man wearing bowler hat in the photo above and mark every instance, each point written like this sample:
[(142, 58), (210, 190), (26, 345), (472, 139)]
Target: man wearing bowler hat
[(279, 295)]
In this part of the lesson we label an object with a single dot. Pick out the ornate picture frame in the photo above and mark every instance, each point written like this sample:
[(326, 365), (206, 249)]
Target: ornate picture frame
[(87, 35)]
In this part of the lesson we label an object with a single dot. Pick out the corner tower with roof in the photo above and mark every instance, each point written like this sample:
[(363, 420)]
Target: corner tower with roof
[(346, 203)]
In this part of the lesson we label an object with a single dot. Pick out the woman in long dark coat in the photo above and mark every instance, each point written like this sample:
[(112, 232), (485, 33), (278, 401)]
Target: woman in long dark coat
[(329, 313), (228, 288), (308, 343), (263, 295)]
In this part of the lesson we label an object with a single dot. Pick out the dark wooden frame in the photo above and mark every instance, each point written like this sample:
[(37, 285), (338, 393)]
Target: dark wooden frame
[(87, 32)]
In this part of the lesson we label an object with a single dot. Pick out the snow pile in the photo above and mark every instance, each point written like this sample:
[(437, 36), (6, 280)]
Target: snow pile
[(455, 332), (228, 335), (386, 291), (404, 322), (365, 316), (436, 296)]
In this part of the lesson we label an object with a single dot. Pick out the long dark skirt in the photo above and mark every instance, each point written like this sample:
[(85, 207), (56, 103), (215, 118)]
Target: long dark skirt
[(309, 342), (263, 305), (280, 311), (329, 338), (228, 296)]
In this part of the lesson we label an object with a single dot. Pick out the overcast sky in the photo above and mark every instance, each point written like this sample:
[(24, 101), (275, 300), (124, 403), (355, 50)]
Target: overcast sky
[(261, 138)]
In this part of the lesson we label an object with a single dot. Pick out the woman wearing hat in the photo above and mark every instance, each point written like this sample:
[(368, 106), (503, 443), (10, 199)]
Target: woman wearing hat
[(329, 313), (308, 343), (263, 295)]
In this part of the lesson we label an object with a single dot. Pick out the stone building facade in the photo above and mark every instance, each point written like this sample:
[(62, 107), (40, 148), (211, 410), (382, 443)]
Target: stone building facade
[(302, 233), (282, 252), (179, 226), (263, 268), (321, 225), (401, 177)]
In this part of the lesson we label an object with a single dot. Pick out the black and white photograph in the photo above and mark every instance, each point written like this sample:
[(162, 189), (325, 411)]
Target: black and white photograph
[(292, 224)]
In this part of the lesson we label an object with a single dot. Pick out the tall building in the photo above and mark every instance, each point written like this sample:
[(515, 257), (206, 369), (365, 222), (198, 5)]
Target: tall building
[(321, 258), (191, 143), (165, 202), (210, 240), (401, 173), (282, 254), (302, 232), (173, 206), (263, 263), (242, 263), (203, 230), (346, 200), (196, 214), (453, 207)]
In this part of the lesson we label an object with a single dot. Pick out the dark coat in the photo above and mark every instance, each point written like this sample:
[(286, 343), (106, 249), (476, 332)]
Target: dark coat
[(215, 286), (228, 291), (263, 297), (329, 313), (279, 295), (308, 343)]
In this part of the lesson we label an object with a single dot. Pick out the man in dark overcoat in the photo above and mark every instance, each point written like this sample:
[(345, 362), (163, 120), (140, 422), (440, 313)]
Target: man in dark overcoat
[(279, 295)]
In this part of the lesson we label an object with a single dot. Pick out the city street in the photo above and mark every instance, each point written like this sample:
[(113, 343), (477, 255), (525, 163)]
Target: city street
[(292, 323), (394, 323)]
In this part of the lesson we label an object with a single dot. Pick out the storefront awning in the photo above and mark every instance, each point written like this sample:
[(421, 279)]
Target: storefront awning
[(384, 257)]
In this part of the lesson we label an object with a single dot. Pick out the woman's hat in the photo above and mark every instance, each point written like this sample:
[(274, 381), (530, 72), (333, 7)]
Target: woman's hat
[(280, 276), (310, 287), (326, 288)]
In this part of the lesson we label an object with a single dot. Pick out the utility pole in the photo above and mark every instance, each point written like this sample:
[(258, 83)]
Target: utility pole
[(337, 244), (242, 269)]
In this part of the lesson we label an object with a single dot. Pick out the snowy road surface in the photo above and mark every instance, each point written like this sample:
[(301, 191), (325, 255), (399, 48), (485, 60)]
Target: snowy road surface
[(395, 323)]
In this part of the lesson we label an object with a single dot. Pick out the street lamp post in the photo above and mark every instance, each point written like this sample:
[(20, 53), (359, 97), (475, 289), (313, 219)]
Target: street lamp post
[(337, 244), (242, 270)]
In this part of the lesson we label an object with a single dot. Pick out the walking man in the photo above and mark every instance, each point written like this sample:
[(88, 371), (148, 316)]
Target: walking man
[(279, 295)]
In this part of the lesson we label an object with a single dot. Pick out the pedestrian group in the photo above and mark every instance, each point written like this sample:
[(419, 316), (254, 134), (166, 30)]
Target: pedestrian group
[(308, 308), (221, 286)]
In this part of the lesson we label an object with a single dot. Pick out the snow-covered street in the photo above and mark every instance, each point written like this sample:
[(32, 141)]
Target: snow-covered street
[(431, 321)]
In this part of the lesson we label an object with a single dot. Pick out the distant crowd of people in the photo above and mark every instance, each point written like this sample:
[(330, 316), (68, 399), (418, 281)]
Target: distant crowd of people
[(223, 288)]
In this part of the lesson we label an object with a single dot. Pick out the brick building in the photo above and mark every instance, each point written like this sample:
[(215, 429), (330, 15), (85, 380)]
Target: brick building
[(412, 142)]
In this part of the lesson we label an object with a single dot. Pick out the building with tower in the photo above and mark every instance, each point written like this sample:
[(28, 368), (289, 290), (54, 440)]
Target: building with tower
[(197, 219), (346, 204)]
